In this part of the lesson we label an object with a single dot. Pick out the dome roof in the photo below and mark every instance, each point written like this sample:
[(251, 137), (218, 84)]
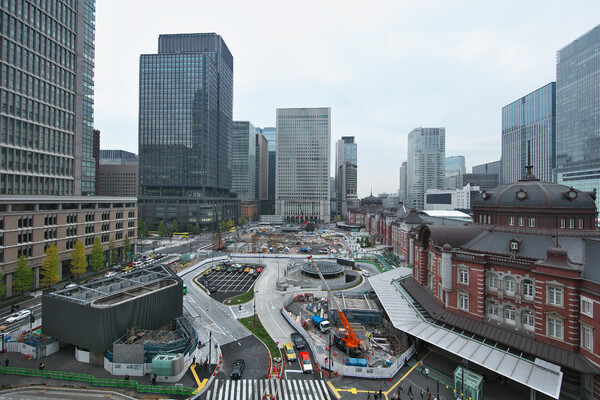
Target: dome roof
[(371, 200), (532, 193)]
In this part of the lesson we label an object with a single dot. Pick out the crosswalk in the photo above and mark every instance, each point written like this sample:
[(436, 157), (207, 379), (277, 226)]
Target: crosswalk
[(255, 389)]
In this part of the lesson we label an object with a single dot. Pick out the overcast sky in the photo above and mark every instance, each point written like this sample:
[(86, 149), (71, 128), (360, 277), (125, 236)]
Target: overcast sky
[(383, 68)]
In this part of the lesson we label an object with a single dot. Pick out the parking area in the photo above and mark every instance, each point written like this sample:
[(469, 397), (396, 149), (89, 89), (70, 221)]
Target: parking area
[(225, 281)]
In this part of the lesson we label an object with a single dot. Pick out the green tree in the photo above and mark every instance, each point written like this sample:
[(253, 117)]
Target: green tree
[(112, 253), (2, 285), (78, 262), (174, 226), (142, 229), (97, 256), (163, 231), (23, 276), (49, 270), (126, 248)]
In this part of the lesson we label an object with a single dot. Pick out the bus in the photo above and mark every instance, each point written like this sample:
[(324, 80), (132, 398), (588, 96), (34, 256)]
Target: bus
[(181, 235)]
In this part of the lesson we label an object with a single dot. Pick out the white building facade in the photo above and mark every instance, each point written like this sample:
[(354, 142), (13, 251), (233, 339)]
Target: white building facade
[(303, 161)]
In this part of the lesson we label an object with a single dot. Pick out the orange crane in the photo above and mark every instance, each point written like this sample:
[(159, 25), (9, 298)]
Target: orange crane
[(347, 341)]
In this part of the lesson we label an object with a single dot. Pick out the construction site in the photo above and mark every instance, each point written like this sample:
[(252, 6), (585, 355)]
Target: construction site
[(347, 331)]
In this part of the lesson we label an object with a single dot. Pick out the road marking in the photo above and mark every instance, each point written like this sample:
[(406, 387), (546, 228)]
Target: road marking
[(334, 390)]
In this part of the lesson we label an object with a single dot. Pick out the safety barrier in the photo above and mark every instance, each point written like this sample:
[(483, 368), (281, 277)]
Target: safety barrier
[(115, 383)]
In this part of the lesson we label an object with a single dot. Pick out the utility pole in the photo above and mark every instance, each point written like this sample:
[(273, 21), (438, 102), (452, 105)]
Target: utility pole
[(209, 349)]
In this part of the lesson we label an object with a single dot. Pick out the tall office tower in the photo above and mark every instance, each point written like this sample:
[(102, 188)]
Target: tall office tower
[(46, 95), (455, 165), (47, 141), (346, 174), (303, 160), (493, 167), (529, 119), (426, 163), (117, 173), (271, 135), (243, 171), (402, 183), (262, 168), (185, 130), (578, 113)]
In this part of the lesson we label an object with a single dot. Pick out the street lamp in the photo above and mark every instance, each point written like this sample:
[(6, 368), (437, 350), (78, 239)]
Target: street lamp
[(254, 304)]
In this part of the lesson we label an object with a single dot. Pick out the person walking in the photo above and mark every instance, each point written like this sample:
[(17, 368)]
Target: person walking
[(410, 390), (6, 362), (380, 394), (42, 365), (154, 379), (402, 386), (422, 392), (126, 377)]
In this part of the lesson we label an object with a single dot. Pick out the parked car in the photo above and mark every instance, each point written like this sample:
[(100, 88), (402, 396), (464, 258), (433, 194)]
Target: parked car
[(290, 354), (18, 316), (297, 340), (238, 368), (212, 289), (305, 362), (365, 273)]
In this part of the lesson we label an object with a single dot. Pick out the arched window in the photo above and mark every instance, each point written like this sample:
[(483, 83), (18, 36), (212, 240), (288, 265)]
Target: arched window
[(492, 281), (528, 289)]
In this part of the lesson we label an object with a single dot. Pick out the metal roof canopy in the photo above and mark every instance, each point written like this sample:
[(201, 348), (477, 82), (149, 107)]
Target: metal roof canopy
[(540, 375)]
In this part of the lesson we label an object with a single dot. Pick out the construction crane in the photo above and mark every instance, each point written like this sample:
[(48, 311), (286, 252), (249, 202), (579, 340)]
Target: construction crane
[(347, 341), (219, 239)]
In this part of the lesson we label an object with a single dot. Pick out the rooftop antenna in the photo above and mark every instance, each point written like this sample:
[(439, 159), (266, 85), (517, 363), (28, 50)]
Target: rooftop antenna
[(528, 168)]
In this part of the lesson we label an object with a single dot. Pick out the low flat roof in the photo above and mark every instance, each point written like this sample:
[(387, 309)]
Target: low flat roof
[(539, 375)]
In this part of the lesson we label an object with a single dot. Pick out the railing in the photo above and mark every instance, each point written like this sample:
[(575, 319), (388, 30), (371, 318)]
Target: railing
[(115, 383)]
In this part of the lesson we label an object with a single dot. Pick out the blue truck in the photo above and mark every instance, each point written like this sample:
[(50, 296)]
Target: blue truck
[(356, 362), (320, 323)]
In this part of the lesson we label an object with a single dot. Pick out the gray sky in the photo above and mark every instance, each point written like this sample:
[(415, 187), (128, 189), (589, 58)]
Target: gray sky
[(384, 69)]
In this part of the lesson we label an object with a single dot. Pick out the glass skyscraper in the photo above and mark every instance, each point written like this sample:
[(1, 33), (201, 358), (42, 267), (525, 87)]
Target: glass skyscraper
[(426, 166), (185, 127), (529, 119), (302, 188), (244, 160), (47, 98), (271, 135), (346, 183), (578, 113)]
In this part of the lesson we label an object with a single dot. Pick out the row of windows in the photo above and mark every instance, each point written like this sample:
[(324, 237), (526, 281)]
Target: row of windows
[(23, 107), (510, 285), (27, 184)]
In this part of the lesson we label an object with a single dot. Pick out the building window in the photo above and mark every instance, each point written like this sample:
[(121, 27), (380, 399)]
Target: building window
[(521, 221), (492, 281), (571, 223), (528, 319), (463, 301), (587, 337), (528, 289), (555, 296), (50, 219), (509, 315), (555, 327), (511, 221), (463, 276), (562, 223), (492, 309), (588, 383), (587, 307), (480, 216), (531, 221), (509, 286)]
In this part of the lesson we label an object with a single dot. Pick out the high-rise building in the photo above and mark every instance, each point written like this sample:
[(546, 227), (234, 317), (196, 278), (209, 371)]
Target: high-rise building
[(455, 165), (529, 119), (271, 135), (47, 140), (346, 169), (426, 165), (47, 106), (117, 173), (303, 161), (402, 183), (185, 130), (262, 168), (243, 175), (493, 167), (578, 113)]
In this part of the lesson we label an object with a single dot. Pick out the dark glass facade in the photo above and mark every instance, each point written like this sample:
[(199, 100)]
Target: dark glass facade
[(46, 97), (578, 113), (530, 119), (185, 120)]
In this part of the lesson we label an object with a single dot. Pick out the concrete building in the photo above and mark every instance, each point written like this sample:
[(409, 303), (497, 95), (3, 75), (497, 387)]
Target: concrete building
[(243, 171), (185, 131), (426, 163), (262, 168), (271, 135), (493, 167), (455, 165), (451, 199), (530, 119), (117, 174), (577, 113), (302, 187), (402, 194)]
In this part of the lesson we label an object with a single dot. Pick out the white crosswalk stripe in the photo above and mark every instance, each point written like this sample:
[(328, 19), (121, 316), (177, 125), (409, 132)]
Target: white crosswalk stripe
[(253, 389)]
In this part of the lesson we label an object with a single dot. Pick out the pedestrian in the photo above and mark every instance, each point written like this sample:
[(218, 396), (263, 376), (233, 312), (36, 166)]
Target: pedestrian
[(380, 394), (6, 363), (42, 365), (194, 361), (368, 395), (154, 378), (126, 377), (401, 386), (422, 370), (428, 391), (427, 373), (422, 392), (410, 389)]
